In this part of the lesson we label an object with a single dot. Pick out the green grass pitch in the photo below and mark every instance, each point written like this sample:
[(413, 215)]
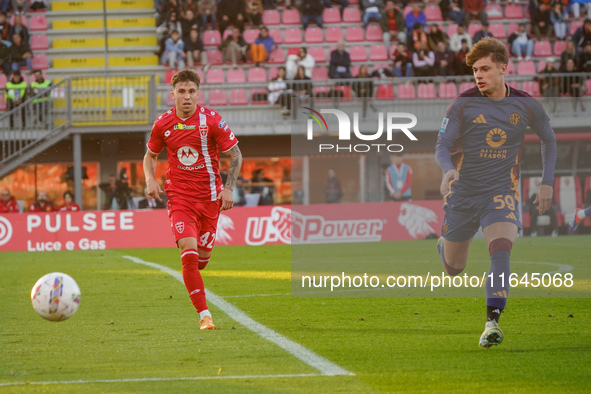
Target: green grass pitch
[(136, 322)]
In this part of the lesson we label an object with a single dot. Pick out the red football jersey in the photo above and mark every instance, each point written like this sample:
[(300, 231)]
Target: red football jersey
[(193, 146)]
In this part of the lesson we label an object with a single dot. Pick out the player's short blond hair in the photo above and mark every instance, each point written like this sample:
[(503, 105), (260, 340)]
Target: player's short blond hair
[(186, 75), (485, 47)]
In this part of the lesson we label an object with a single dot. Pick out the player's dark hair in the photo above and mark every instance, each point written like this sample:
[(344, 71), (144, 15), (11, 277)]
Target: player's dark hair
[(186, 75), (488, 46)]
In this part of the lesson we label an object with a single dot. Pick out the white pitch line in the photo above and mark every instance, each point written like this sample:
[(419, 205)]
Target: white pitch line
[(257, 295), (132, 380), (324, 366)]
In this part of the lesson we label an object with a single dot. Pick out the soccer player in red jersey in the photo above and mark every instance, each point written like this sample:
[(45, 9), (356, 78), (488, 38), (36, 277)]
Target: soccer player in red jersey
[(193, 136), (69, 204), (7, 203), (42, 205)]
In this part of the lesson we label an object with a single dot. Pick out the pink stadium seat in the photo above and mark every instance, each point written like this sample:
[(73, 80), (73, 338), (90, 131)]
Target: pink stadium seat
[(473, 28), (200, 73), (277, 57), (2, 82), (542, 65), (227, 33), (574, 25), (257, 74), (38, 23), (201, 99), (498, 30), (406, 91), (319, 73), (513, 11), (217, 97), (357, 54), (513, 27), (23, 19), (406, 10), (378, 53), (526, 68), (532, 87), (236, 75), (510, 68), (355, 69), (271, 18), (542, 48), (291, 17), (40, 61), (258, 91), (293, 35), (317, 52), (276, 34), (494, 11), (353, 2), (170, 101), (212, 38), (215, 75), (513, 85), (559, 47), (373, 33), (39, 42), (273, 73), (238, 97), (426, 90), (2, 103), (385, 92), (380, 66), (354, 34), (250, 35), (334, 34), (345, 91), (352, 15), (313, 35), (331, 15), (214, 56), (588, 87), (321, 93), (169, 74), (448, 90), (452, 29), (433, 13), (465, 86)]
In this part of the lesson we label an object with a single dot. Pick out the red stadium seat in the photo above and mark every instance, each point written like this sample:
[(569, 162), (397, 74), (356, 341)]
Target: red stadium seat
[(39, 42), (542, 49), (354, 34), (526, 68), (200, 73), (319, 73), (215, 75), (40, 61), (510, 68), (334, 34), (373, 33), (277, 57), (357, 54), (313, 35), (355, 69), (406, 91), (291, 17), (452, 29), (352, 15), (273, 73), (448, 90), (217, 97), (331, 15), (23, 19), (38, 23), (345, 92), (473, 28), (559, 47), (531, 87), (574, 25), (236, 75), (259, 92), (353, 2), (271, 18), (293, 35), (2, 82), (257, 74), (513, 85), (227, 33), (498, 30), (378, 53), (212, 38), (426, 90), (433, 13), (250, 35), (169, 74), (542, 66), (276, 34), (238, 97), (214, 56), (465, 86), (317, 52), (494, 11), (514, 11), (513, 27)]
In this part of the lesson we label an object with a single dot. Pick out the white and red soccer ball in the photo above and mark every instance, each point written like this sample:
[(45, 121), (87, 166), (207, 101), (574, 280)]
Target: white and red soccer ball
[(56, 296)]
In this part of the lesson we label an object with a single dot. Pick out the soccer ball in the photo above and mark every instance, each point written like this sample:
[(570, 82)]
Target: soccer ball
[(55, 296)]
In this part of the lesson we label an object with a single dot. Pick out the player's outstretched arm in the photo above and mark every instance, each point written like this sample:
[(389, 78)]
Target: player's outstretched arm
[(152, 187), (233, 172), (447, 177)]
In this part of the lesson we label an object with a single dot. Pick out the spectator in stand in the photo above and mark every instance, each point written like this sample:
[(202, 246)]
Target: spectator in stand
[(20, 29), (340, 62), (558, 17), (194, 50), (164, 31), (363, 88), (16, 94), (20, 54), (7, 203), (482, 33), (473, 9), (37, 5), (461, 67), (521, 42), (234, 47), (422, 63), (20, 6), (174, 52), (263, 186), (302, 86), (148, 202), (270, 4), (418, 38), (455, 41), (435, 36), (372, 11), (254, 9), (343, 3), (5, 63), (416, 15), (4, 6), (399, 178), (392, 24), (303, 58), (262, 47), (585, 59), (207, 11), (40, 85), (444, 60), (452, 10), (42, 204), (402, 61), (570, 52), (333, 192), (278, 92), (186, 6), (549, 84), (571, 84), (5, 30), (576, 7), (189, 22), (231, 12), (312, 12), (169, 7), (69, 204), (540, 21), (582, 35)]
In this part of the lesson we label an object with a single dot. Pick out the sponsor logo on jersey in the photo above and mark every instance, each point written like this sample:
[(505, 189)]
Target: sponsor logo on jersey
[(212, 113), (203, 129), (417, 219), (222, 123), (444, 124), (226, 128), (187, 155), (514, 118), (479, 119), (511, 216), (167, 133), (180, 227), (496, 137), (180, 126)]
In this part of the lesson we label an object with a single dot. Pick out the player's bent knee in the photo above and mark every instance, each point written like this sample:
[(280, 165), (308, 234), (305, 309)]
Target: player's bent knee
[(500, 245), (454, 268)]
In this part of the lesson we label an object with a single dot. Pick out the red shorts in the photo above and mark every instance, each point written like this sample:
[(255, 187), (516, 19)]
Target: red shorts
[(195, 219)]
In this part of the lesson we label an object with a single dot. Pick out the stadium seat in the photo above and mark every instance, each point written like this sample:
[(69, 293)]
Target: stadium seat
[(199, 72), (2, 82), (448, 90), (574, 25), (38, 23), (331, 15), (380, 66), (353, 2), (384, 92), (426, 90), (542, 49), (452, 29), (322, 94), (494, 11), (588, 87), (23, 19), (357, 54), (313, 35), (236, 75), (513, 11), (212, 38), (354, 34), (510, 68), (531, 87), (513, 84), (378, 53), (217, 97), (277, 57), (373, 33), (317, 52), (498, 30), (273, 73), (227, 33), (406, 91), (276, 34), (271, 18), (214, 56), (355, 69), (39, 42), (465, 86), (250, 35), (169, 74), (542, 66), (170, 101), (319, 73), (334, 34), (526, 68), (512, 28), (352, 15), (406, 10), (473, 28), (40, 61), (293, 35), (433, 13), (215, 75), (238, 97), (559, 47), (291, 17), (259, 92), (257, 74)]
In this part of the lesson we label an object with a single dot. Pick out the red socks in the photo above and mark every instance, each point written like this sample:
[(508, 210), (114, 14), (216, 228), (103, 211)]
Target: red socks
[(193, 280), (203, 262)]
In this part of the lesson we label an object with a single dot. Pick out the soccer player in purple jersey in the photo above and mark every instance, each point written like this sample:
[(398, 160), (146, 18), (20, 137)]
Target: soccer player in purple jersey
[(478, 150)]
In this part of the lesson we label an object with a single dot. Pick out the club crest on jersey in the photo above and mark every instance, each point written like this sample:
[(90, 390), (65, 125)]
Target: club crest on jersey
[(180, 227), (202, 110), (203, 129), (514, 118), (444, 125), (222, 123), (180, 126), (187, 155)]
